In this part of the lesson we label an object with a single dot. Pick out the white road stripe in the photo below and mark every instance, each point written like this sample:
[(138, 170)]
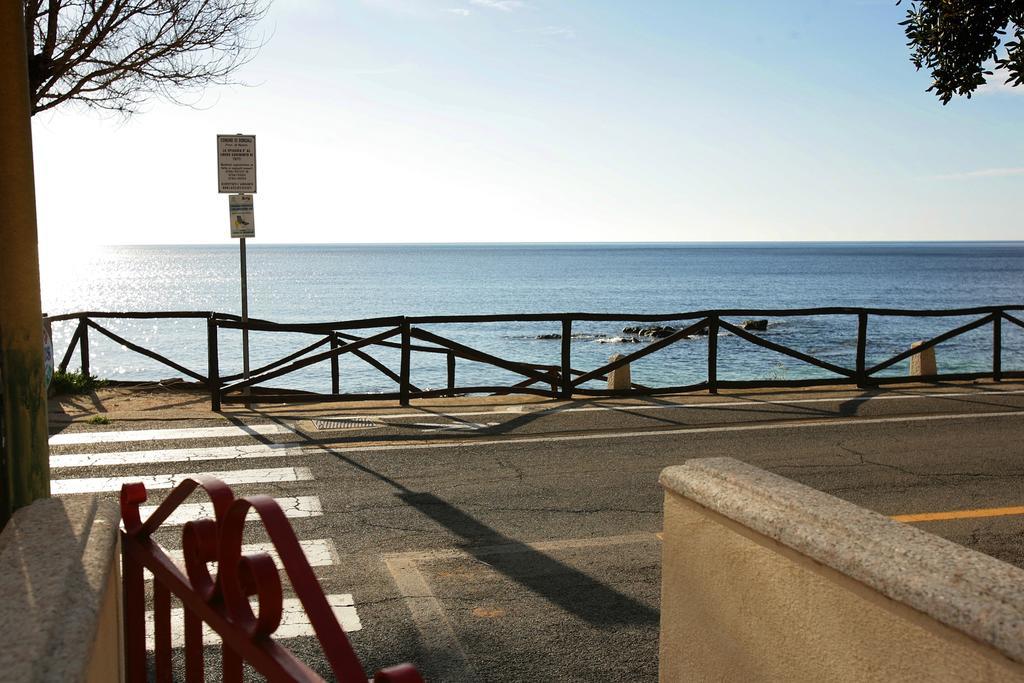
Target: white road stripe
[(442, 650), (174, 455), (294, 621), (524, 408), (293, 506), (167, 434), (64, 487), (320, 552), (815, 424), (451, 426)]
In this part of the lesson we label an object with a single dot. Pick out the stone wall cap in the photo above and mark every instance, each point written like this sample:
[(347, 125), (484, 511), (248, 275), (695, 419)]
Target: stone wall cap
[(56, 556), (971, 592)]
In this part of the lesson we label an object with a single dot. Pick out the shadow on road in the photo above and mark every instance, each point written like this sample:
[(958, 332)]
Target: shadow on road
[(602, 605), (589, 600)]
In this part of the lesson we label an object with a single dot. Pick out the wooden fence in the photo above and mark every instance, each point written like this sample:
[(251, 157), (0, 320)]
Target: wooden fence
[(562, 381)]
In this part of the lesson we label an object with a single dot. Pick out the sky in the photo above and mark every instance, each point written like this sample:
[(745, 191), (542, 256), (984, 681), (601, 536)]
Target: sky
[(554, 121)]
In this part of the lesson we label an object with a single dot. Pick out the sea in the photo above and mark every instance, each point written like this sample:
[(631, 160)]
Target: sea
[(334, 282)]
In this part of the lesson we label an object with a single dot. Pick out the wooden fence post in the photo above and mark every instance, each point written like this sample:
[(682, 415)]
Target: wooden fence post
[(335, 366), (83, 345), (451, 373), (713, 355), (862, 349), (997, 346), (566, 392), (403, 385), (213, 363)]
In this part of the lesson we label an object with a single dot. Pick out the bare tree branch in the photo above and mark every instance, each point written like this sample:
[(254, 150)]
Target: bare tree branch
[(117, 54)]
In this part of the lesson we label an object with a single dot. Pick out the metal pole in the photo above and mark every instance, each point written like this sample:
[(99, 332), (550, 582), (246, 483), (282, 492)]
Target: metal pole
[(245, 315), (24, 452)]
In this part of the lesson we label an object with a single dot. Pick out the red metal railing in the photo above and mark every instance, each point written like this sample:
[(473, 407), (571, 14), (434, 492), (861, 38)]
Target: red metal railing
[(222, 601)]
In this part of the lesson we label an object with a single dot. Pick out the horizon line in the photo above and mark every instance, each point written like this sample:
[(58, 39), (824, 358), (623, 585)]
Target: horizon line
[(233, 243)]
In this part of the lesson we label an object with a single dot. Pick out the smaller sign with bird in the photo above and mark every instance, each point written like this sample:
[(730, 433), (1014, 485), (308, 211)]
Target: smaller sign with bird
[(243, 222)]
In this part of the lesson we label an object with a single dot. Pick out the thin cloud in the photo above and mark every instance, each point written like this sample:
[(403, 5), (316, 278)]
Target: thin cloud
[(567, 32), (502, 5), (461, 11), (394, 6), (983, 173), (999, 87), (385, 70), (995, 83)]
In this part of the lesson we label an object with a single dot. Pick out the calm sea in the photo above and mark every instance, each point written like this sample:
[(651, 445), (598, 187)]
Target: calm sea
[(309, 283)]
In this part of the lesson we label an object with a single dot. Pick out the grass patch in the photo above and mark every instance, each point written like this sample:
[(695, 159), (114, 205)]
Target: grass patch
[(70, 383), (98, 420)]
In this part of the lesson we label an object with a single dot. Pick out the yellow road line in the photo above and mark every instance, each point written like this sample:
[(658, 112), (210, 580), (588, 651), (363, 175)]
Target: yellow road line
[(959, 514)]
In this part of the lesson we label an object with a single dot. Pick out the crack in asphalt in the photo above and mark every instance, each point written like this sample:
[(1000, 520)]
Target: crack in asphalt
[(507, 465), (389, 527), (560, 510), (934, 476)]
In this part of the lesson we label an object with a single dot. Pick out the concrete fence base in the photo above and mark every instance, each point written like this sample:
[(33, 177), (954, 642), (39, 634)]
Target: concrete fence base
[(767, 580), (619, 379), (923, 364), (60, 593)]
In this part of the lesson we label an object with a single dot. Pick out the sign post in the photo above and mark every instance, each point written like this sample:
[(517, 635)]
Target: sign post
[(236, 176)]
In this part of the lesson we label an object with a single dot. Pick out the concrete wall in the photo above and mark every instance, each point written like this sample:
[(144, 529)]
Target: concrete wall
[(60, 593), (766, 580)]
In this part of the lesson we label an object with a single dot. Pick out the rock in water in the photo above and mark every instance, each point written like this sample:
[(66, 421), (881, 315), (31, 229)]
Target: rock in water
[(755, 325), (656, 332)]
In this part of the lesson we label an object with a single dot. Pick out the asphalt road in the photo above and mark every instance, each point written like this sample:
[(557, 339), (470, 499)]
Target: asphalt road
[(508, 543)]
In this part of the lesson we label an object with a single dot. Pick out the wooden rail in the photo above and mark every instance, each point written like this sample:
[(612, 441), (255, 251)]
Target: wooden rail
[(406, 334)]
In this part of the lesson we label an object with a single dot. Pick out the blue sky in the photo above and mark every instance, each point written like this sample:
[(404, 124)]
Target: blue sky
[(555, 120)]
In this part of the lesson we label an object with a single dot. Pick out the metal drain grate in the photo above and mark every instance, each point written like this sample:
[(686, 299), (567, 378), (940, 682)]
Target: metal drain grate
[(327, 423)]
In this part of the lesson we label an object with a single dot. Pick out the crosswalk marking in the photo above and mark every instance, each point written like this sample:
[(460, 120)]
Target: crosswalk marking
[(167, 434), (294, 621), (173, 455), (320, 552), (64, 487), (451, 426), (293, 506)]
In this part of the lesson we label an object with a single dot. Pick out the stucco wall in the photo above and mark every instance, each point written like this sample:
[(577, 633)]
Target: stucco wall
[(60, 592), (106, 658), (738, 605)]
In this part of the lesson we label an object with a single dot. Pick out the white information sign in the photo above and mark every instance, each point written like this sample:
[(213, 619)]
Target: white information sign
[(243, 223), (236, 163)]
